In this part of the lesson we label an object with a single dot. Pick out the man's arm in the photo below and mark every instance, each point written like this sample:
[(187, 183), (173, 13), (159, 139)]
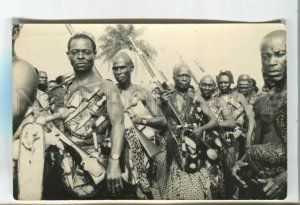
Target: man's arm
[(25, 82), (115, 112), (228, 121), (250, 116), (212, 120), (158, 121)]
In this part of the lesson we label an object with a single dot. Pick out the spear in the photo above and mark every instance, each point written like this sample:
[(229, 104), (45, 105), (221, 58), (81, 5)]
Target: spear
[(199, 66)]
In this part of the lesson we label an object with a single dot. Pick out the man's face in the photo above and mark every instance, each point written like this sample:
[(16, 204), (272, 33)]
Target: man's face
[(244, 87), (207, 87), (224, 83), (122, 69), (182, 78), (43, 78), (273, 56), (51, 85), (81, 55)]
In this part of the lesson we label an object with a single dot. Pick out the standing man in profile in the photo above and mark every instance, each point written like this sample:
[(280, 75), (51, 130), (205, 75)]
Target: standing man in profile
[(25, 81), (267, 159)]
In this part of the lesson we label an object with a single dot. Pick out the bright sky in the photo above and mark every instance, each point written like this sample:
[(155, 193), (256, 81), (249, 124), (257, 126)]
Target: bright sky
[(214, 46)]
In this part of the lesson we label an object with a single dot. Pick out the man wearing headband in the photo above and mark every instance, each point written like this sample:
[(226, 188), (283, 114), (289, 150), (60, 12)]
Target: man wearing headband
[(144, 112)]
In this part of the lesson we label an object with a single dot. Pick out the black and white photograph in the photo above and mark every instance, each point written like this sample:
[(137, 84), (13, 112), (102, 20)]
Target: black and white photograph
[(149, 111)]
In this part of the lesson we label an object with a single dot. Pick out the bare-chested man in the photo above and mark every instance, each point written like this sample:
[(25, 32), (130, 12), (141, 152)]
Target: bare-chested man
[(146, 113), (238, 106), (186, 153), (267, 160), (87, 88), (25, 83), (226, 123)]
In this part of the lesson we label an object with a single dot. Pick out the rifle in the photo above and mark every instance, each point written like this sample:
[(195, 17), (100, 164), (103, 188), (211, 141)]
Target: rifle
[(162, 84), (143, 132), (90, 163)]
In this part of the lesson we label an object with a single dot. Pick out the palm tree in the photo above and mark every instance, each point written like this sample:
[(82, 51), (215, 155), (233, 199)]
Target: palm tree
[(116, 38)]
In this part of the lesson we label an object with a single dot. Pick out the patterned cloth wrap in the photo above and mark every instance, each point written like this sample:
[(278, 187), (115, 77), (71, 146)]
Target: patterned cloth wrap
[(136, 156), (216, 168), (185, 181), (239, 132), (136, 160), (270, 159), (84, 187)]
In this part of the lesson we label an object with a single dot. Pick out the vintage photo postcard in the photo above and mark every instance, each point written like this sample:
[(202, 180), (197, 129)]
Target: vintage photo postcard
[(160, 111)]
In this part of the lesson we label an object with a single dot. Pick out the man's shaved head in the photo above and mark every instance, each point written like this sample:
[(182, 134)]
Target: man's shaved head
[(208, 78), (180, 66), (273, 55), (207, 86), (123, 57), (273, 38)]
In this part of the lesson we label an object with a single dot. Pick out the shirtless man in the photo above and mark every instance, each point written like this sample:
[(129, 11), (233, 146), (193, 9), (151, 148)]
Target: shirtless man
[(207, 87), (81, 53), (238, 106), (123, 65), (244, 86), (226, 123), (25, 83), (269, 152), (181, 167)]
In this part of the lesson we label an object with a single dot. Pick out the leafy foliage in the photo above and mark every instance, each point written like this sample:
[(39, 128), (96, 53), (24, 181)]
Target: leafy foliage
[(116, 38)]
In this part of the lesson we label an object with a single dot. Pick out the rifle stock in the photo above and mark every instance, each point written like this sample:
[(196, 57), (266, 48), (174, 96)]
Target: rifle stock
[(92, 166)]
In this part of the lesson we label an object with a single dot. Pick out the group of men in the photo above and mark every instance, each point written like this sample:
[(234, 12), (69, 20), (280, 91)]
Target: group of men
[(118, 141)]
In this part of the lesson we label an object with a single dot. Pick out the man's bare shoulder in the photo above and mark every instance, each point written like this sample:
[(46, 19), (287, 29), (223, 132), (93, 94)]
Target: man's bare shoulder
[(199, 98), (22, 64), (219, 101), (108, 86), (24, 75)]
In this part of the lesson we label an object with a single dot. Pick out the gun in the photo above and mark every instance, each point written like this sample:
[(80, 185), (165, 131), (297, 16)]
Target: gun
[(89, 163), (163, 85), (143, 132)]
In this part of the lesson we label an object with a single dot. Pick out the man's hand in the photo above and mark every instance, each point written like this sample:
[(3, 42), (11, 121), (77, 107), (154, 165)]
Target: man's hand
[(137, 120), (237, 167), (274, 187), (198, 131), (42, 120), (166, 96), (53, 139), (114, 177)]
